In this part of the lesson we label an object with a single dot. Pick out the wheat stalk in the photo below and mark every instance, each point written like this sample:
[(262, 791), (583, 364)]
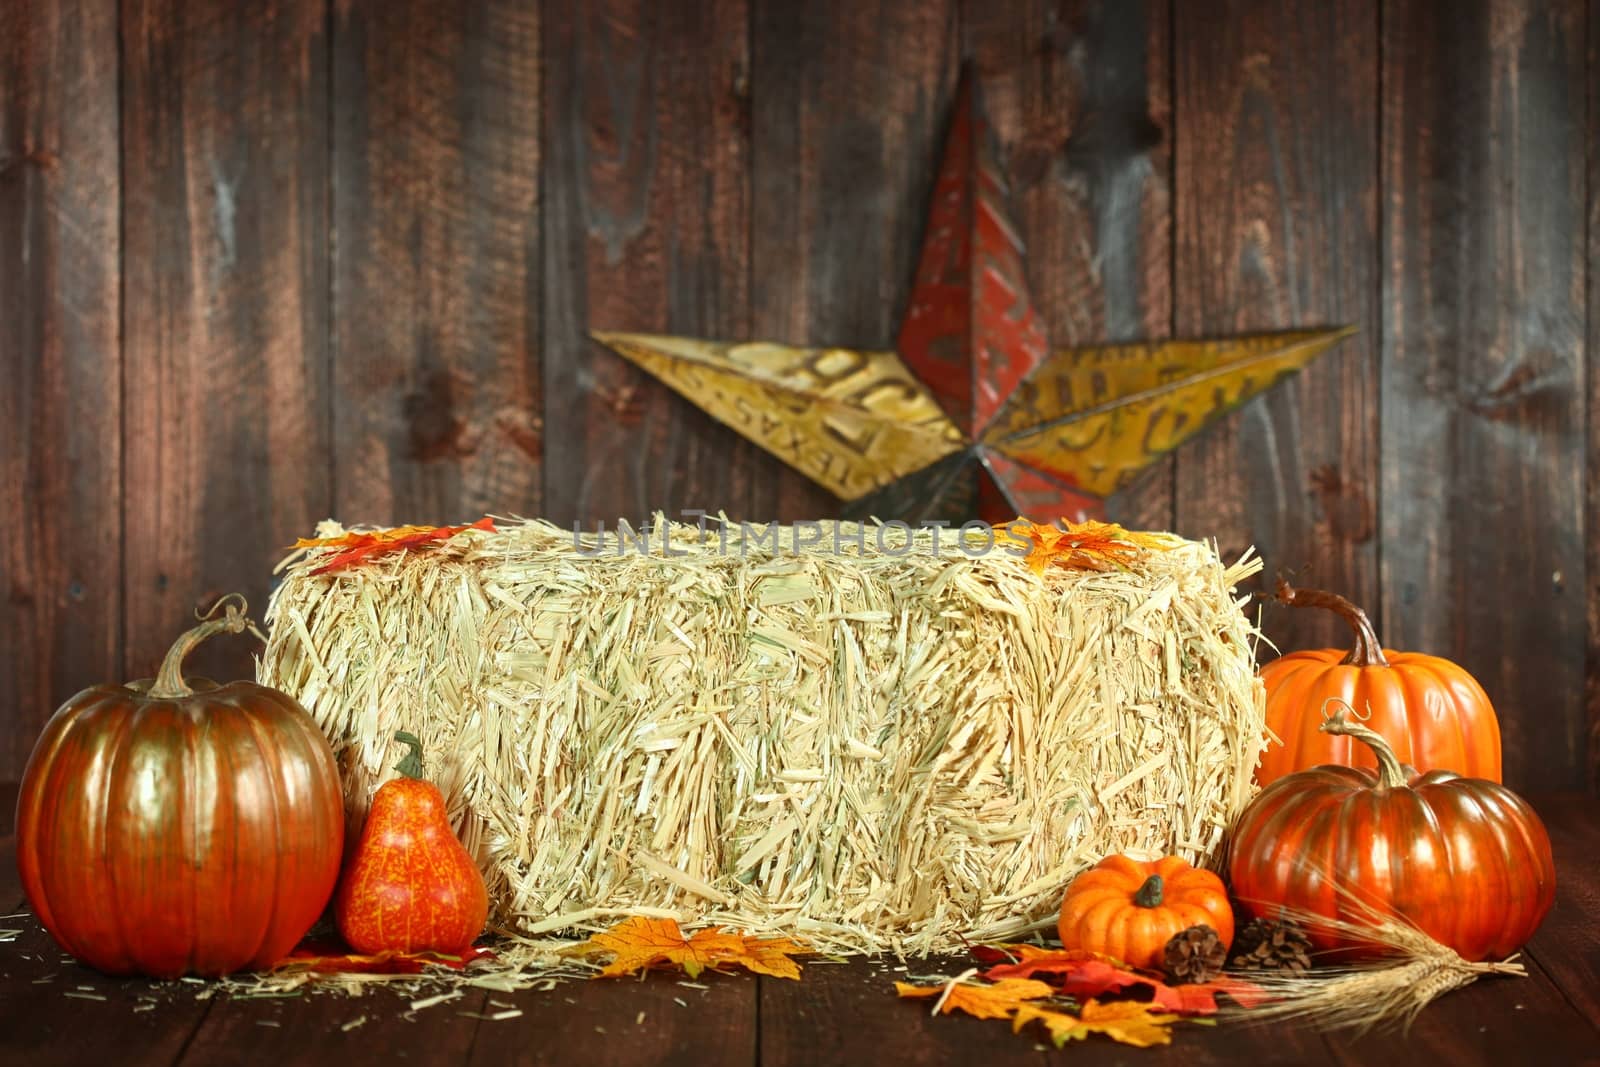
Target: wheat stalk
[(1413, 972)]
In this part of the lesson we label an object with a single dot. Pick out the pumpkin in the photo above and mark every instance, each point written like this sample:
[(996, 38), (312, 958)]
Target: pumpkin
[(171, 827), (410, 886), (1464, 859), (1129, 909), (1433, 713)]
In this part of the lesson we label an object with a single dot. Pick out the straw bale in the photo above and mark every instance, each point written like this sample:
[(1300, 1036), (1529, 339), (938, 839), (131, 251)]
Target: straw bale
[(874, 748)]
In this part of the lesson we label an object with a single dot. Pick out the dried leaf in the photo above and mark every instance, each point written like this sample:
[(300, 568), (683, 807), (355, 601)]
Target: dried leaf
[(1091, 545), (359, 547), (1127, 1021), (1201, 997), (638, 943), (1090, 968), (1083, 975), (992, 1000), (323, 957)]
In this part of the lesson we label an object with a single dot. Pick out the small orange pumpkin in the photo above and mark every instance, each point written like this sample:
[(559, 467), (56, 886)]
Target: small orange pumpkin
[(1127, 909), (1432, 712)]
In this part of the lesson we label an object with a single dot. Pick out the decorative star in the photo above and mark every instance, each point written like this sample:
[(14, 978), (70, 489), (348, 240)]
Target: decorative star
[(973, 414)]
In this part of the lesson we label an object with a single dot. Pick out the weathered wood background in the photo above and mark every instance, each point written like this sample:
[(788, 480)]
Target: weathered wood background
[(265, 263)]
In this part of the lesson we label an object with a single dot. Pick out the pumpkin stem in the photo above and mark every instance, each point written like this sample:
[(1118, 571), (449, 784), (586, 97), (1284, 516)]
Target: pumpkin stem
[(1149, 894), (1367, 652), (411, 765), (1390, 774), (169, 683)]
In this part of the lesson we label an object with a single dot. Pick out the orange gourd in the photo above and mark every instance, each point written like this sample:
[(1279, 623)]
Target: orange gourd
[(1464, 859), (1128, 909), (410, 886), (1431, 711)]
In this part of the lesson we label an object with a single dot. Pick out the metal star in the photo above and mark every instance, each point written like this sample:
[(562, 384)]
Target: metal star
[(973, 414)]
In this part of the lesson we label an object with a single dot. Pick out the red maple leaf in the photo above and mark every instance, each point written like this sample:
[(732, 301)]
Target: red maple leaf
[(1085, 975), (374, 544)]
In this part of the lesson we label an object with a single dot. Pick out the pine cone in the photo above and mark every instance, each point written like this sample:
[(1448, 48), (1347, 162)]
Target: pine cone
[(1194, 955), (1271, 945)]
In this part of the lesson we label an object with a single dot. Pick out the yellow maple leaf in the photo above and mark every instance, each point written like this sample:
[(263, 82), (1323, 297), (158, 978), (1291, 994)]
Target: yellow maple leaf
[(1130, 1022), (363, 537), (1090, 545), (986, 1000), (639, 942)]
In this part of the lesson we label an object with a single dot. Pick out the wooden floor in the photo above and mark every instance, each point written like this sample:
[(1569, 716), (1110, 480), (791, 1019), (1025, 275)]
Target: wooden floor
[(838, 1013)]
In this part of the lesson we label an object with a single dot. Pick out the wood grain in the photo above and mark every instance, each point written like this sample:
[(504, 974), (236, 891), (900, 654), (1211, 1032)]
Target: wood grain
[(1080, 95), (225, 186), (1483, 378), (11, 895), (60, 1013), (839, 1014), (1591, 516), (849, 107), (1567, 946), (60, 362), (647, 226), (436, 407), (364, 244), (651, 1020), (1276, 227), (311, 1027)]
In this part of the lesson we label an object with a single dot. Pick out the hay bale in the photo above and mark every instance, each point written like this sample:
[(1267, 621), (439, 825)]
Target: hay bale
[(877, 750)]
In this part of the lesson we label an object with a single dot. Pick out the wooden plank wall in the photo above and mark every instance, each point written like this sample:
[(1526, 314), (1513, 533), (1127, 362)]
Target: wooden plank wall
[(339, 257)]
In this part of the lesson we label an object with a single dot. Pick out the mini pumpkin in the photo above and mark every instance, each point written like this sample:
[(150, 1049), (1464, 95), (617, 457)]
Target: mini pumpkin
[(1464, 859), (1129, 909), (1431, 711)]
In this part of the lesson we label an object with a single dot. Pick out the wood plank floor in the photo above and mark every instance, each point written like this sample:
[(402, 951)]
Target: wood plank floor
[(53, 1011)]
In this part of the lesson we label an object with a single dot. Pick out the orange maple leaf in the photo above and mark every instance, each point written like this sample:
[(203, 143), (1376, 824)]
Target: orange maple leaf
[(1080, 975), (1200, 998), (323, 957), (639, 942), (375, 543), (1075, 972), (1090, 545), (1127, 1021), (987, 1000)]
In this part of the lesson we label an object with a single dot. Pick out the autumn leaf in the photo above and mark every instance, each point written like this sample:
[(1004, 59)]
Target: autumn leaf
[(1090, 545), (1083, 975), (1127, 1021), (359, 547), (1201, 998), (1025, 961), (991, 1000), (638, 943), (322, 957)]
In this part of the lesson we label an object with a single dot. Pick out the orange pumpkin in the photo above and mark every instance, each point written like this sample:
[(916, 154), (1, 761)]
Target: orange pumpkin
[(410, 886), (1434, 714), (1464, 859), (177, 826), (1127, 909)]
